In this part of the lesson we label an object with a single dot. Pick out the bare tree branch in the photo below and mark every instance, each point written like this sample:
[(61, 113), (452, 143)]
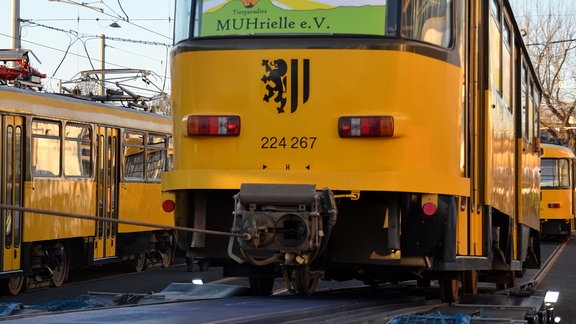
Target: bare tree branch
[(550, 35)]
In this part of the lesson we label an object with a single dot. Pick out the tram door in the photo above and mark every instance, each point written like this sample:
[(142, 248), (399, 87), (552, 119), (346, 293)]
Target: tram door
[(11, 157), (107, 192)]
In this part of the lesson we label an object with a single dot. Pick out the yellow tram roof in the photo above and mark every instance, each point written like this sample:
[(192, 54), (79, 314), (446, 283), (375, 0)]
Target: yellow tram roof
[(556, 151), (20, 101)]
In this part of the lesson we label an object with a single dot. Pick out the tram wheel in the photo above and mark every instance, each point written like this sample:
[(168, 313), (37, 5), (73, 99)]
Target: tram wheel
[(60, 272), (300, 280), (506, 280), (14, 285), (449, 287), (168, 255), (261, 286), (139, 262), (470, 282), (423, 283)]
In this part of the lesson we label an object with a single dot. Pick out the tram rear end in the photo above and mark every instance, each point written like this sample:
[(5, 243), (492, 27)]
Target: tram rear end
[(558, 192), (348, 148)]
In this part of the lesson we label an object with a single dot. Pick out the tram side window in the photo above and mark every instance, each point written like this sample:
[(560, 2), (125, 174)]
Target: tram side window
[(555, 173), (532, 114), (507, 64), (155, 157), (13, 180), (428, 20), (524, 100), (46, 147), (78, 151), (495, 46), (530, 100), (170, 155), (134, 156), (537, 97)]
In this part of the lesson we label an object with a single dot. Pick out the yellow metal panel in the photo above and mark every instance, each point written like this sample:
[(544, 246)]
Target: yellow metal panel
[(500, 159), (68, 196), (141, 202), (560, 196), (529, 192), (298, 147), (476, 231), (343, 180), (11, 258)]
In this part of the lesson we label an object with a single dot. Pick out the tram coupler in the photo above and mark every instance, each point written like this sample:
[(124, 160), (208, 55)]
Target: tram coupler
[(282, 222)]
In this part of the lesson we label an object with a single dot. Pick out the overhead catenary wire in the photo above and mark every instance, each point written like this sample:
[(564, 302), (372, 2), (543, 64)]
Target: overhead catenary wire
[(81, 36), (77, 36), (127, 40), (101, 11), (121, 8), (62, 51), (104, 10)]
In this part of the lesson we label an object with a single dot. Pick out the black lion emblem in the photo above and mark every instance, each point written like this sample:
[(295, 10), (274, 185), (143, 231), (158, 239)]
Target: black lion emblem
[(275, 80)]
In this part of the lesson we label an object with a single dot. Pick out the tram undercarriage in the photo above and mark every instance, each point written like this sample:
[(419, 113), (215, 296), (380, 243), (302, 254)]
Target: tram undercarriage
[(48, 263), (304, 235)]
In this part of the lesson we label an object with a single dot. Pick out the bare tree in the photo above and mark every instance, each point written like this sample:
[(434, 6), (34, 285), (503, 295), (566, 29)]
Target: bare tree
[(549, 29)]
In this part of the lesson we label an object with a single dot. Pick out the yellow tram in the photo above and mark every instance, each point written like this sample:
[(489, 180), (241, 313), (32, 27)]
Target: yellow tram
[(558, 191), (63, 157), (381, 140)]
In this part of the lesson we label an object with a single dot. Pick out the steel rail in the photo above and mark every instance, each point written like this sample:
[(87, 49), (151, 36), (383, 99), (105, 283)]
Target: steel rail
[(539, 276)]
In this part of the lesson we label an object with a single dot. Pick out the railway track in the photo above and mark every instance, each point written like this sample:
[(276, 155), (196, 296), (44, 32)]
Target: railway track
[(350, 304), (356, 305), (545, 268)]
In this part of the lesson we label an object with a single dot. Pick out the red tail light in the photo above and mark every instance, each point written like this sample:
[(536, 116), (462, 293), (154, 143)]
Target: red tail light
[(213, 125), (554, 205), (168, 205), (429, 209), (366, 126)]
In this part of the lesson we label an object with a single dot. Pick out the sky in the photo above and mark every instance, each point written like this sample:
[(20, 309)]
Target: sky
[(65, 36)]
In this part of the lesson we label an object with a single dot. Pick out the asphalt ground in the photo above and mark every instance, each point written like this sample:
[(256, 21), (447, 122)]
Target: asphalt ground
[(562, 278)]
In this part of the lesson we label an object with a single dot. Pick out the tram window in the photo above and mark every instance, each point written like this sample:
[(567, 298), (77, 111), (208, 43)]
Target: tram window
[(182, 21), (495, 47), (9, 183), (46, 147), (532, 122), (13, 169), (78, 151), (555, 173), (507, 65), (537, 96), (524, 100), (133, 156), (428, 20), (17, 182), (155, 157), (495, 9), (170, 155)]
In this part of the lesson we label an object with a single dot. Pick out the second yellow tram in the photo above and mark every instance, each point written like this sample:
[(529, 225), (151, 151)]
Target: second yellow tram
[(558, 192), (62, 157)]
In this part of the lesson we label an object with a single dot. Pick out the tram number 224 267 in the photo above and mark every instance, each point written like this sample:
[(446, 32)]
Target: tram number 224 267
[(294, 142)]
